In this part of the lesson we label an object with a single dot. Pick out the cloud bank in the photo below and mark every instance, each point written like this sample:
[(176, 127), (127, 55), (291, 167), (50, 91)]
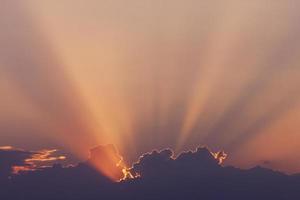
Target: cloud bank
[(191, 175), (14, 161)]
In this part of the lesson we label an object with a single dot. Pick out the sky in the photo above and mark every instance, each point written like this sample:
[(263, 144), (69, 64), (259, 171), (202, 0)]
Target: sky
[(146, 75)]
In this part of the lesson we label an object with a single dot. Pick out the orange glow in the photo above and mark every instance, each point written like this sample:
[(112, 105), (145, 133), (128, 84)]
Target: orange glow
[(107, 160), (6, 148), (220, 156), (18, 169), (127, 174), (44, 156), (38, 159)]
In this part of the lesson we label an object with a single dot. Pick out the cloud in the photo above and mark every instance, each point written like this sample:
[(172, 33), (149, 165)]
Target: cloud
[(10, 157), (14, 160), (191, 175), (6, 147), (163, 163)]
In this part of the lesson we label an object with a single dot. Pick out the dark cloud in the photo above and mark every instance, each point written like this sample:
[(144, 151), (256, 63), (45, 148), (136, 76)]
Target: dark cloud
[(191, 175), (153, 164), (12, 157), (160, 164), (14, 161)]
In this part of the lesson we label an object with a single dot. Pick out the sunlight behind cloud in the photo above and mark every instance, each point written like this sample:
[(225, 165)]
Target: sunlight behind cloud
[(150, 74)]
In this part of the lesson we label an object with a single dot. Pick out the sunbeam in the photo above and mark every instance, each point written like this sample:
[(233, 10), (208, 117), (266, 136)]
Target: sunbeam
[(146, 75)]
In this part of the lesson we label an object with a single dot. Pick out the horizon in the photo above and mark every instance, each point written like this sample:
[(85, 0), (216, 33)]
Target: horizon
[(200, 171), (48, 158)]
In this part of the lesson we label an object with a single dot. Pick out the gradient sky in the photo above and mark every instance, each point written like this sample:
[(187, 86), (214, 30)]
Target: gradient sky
[(153, 74)]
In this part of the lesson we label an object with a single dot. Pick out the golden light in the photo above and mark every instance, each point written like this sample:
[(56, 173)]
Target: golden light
[(107, 160), (220, 156), (146, 76), (6, 147)]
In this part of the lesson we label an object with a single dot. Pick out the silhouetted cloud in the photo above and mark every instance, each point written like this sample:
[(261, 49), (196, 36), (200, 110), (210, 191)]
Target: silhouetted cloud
[(160, 164), (14, 161), (10, 157), (191, 175)]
